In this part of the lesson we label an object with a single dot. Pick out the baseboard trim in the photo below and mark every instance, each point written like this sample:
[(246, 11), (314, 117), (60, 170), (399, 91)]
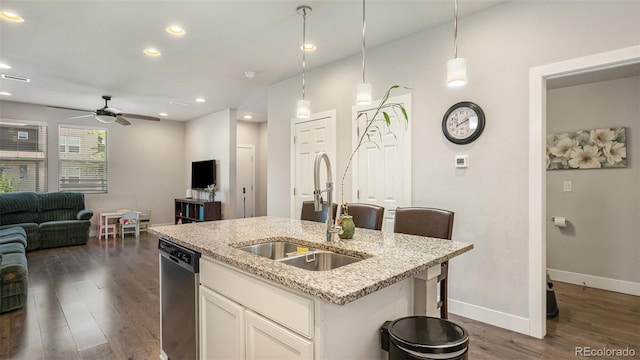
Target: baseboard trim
[(489, 316), (621, 286)]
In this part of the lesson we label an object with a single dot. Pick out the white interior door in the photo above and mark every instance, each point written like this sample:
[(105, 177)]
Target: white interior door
[(245, 194), (382, 167), (312, 136)]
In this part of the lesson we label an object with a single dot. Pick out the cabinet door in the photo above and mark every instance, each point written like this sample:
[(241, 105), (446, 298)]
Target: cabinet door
[(221, 327), (267, 340)]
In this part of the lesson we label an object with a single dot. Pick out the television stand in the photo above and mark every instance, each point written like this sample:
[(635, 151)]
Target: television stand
[(194, 210)]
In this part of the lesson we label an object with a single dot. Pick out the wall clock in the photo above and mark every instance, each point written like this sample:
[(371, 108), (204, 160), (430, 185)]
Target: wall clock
[(463, 123)]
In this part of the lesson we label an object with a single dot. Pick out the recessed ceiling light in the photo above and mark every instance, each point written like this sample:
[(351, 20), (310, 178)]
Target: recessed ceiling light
[(10, 16), (176, 30), (152, 52), (201, 100), (5, 93), (5, 66), (249, 74), (309, 47), (163, 114), (247, 117)]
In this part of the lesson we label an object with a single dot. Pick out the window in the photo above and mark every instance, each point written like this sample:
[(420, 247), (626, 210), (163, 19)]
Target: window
[(70, 144), (83, 159), (23, 157)]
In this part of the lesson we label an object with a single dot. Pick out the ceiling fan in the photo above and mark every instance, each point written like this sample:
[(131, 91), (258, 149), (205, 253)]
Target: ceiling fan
[(108, 115)]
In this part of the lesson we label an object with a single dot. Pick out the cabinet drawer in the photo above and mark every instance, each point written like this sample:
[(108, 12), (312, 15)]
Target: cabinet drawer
[(271, 301)]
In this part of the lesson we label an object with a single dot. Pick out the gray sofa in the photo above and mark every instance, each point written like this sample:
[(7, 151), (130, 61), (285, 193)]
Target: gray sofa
[(49, 219), (30, 221)]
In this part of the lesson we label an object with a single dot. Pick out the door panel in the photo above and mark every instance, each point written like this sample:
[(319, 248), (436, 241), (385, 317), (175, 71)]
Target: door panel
[(383, 164), (311, 137), (268, 340)]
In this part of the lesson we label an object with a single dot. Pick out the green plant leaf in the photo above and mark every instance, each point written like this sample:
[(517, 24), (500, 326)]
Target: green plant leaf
[(387, 118)]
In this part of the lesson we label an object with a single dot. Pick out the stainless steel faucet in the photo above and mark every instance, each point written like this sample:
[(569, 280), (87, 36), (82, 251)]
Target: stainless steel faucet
[(317, 194)]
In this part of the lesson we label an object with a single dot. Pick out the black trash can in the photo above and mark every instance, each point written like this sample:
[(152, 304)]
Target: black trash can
[(423, 337)]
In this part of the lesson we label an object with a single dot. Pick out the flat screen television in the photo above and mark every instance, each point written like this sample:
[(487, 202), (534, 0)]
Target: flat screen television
[(203, 173)]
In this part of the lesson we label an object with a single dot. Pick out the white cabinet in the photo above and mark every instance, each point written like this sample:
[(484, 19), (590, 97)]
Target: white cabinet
[(229, 329), (266, 340), (221, 327)]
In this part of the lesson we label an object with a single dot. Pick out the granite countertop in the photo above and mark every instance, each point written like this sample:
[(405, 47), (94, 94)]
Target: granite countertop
[(389, 257)]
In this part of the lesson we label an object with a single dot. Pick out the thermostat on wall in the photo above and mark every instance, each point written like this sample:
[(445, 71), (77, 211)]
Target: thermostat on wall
[(462, 161)]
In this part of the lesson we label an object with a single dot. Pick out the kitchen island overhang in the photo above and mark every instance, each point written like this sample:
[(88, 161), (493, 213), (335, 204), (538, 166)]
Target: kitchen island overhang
[(390, 257)]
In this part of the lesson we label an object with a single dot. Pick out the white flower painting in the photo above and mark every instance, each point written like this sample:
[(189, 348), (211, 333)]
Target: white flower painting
[(587, 149)]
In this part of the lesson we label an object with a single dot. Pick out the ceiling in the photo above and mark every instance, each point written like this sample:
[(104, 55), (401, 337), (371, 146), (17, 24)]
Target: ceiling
[(76, 51), (595, 75)]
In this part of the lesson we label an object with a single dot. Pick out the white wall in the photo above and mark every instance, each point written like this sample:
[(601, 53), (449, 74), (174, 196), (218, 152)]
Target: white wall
[(145, 160), (251, 133), (604, 205), (490, 198), (213, 136)]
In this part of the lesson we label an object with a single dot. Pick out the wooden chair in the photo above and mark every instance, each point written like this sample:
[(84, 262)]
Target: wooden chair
[(309, 212), (145, 220), (366, 216), (429, 222), (130, 224), (105, 229)]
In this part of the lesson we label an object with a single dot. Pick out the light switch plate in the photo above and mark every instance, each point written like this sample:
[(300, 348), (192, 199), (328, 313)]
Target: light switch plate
[(462, 161), (566, 186)]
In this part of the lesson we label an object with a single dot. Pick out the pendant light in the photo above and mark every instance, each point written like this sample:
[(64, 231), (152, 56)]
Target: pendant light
[(363, 91), (304, 106), (456, 67)]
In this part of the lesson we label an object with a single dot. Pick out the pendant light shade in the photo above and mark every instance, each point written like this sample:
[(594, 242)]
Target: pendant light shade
[(456, 72), (364, 89), (303, 109), (456, 67), (363, 94)]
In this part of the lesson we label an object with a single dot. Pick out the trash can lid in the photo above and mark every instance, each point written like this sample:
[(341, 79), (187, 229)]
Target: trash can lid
[(428, 335)]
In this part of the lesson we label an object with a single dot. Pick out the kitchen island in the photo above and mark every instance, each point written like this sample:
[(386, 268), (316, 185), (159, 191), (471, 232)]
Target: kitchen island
[(252, 306)]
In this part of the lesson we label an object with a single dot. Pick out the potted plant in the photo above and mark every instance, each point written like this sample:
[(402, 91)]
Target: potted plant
[(372, 127)]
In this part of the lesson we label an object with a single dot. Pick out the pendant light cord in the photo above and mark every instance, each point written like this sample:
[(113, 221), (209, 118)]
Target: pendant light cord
[(304, 44), (364, 54), (455, 29)]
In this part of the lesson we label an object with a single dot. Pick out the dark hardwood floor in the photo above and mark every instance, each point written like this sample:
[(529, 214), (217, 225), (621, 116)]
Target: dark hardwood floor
[(100, 301)]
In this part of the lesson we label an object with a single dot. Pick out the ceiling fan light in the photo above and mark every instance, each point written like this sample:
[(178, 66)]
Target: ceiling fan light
[(456, 72), (105, 119), (304, 109), (363, 94)]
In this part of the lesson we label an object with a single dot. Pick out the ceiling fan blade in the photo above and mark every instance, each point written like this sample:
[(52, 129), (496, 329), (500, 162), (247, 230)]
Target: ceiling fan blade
[(141, 117), (81, 116), (67, 108), (122, 121)]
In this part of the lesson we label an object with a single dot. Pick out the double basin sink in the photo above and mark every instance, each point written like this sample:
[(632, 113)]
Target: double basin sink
[(300, 256)]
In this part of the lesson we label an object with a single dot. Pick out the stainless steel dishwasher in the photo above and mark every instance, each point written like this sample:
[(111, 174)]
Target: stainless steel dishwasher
[(179, 280)]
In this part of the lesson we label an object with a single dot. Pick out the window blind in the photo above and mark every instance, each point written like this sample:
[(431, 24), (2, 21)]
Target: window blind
[(83, 159), (23, 157)]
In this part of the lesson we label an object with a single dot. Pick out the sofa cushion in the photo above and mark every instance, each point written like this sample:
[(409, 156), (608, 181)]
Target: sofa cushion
[(13, 281), (15, 239), (33, 240), (9, 231), (60, 206), (19, 207), (63, 233), (11, 248)]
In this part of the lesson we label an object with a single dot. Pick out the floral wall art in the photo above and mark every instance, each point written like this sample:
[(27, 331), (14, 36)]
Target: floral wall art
[(587, 149)]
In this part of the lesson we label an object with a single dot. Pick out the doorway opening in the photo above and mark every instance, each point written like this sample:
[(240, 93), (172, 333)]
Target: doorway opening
[(538, 218)]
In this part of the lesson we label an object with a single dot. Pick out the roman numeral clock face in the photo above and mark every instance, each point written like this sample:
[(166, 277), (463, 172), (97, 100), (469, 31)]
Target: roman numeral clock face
[(463, 123)]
